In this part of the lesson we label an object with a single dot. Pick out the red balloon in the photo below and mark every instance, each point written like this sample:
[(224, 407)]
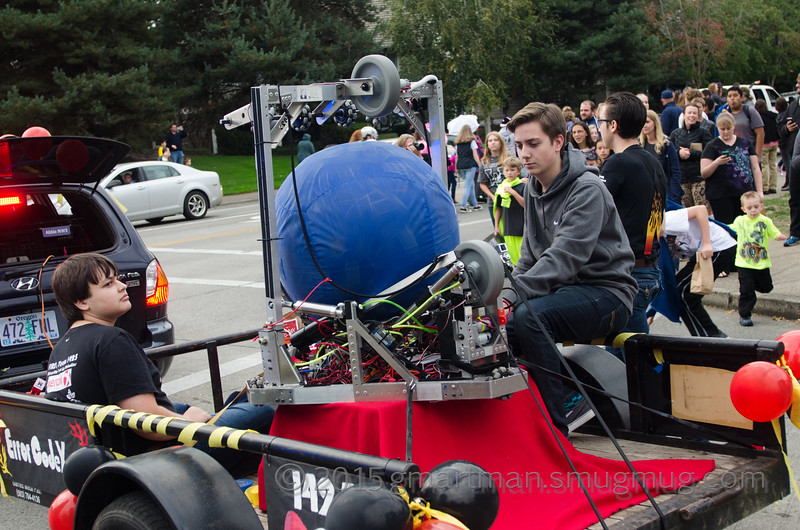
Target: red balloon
[(61, 515), (72, 155), (761, 391), (435, 524), (35, 131), (791, 344), (36, 149)]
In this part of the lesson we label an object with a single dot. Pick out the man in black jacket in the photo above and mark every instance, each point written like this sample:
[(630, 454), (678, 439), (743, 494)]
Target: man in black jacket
[(174, 140), (788, 124)]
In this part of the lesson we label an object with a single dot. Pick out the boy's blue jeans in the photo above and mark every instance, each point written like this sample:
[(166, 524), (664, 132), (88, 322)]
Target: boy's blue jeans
[(240, 415), (578, 313)]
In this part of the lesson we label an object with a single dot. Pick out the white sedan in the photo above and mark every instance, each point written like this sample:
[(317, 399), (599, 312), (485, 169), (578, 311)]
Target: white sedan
[(154, 190)]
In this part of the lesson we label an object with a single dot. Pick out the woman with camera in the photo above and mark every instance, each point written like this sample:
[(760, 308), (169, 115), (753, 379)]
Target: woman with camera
[(406, 141)]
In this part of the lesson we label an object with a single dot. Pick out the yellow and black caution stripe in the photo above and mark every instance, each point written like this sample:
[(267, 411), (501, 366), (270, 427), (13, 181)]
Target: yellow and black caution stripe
[(155, 423)]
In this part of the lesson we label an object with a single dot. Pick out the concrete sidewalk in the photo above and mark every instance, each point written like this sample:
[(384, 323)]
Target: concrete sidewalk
[(783, 301)]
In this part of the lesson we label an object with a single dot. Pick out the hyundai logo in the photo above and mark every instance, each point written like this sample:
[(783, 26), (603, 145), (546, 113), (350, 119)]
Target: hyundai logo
[(25, 283)]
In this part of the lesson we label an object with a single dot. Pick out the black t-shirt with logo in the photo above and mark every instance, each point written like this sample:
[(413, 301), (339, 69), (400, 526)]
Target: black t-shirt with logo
[(638, 185), (96, 364)]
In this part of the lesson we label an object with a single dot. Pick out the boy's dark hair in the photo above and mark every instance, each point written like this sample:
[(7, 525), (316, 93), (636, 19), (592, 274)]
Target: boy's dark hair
[(72, 278), (761, 106), (628, 111), (549, 116), (736, 88)]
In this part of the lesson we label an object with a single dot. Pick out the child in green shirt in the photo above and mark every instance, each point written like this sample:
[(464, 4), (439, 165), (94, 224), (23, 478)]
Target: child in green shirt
[(752, 260), (509, 207)]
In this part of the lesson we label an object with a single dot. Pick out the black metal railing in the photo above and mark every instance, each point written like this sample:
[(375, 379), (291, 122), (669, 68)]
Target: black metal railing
[(171, 350)]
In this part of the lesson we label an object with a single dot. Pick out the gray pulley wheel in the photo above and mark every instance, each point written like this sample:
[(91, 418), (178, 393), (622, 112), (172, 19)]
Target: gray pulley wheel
[(385, 85), (485, 268)]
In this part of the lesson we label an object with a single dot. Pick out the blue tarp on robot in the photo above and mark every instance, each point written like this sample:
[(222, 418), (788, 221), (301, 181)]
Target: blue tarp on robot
[(374, 213)]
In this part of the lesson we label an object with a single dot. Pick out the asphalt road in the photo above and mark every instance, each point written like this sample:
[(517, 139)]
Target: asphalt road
[(217, 287)]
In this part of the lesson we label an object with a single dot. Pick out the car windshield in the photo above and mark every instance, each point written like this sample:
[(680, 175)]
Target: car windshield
[(772, 95), (39, 225)]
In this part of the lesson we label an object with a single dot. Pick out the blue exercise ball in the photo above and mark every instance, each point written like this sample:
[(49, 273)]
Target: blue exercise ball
[(374, 214)]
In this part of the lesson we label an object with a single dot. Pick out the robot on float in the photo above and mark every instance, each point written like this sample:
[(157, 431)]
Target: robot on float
[(362, 242)]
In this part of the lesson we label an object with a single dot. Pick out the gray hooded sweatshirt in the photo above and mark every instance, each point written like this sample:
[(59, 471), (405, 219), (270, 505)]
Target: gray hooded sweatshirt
[(573, 235)]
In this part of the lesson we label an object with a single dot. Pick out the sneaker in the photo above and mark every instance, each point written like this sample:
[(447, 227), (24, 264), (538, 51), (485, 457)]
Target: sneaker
[(478, 207), (573, 398), (791, 241), (463, 208), (746, 321), (718, 335), (579, 414)]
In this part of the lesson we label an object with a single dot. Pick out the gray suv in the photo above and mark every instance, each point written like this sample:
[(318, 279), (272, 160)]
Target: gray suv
[(51, 207)]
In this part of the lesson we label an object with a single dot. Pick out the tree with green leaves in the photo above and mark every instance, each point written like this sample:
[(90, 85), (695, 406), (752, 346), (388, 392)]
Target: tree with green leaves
[(491, 53), (725, 40), (86, 67), (478, 49), (598, 48), (227, 46)]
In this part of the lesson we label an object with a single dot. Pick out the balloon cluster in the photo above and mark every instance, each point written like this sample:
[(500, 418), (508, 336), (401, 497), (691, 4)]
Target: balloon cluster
[(79, 465), (71, 155), (762, 391), (454, 495)]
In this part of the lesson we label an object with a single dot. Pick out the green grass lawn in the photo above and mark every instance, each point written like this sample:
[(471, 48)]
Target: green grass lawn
[(777, 209), (237, 174)]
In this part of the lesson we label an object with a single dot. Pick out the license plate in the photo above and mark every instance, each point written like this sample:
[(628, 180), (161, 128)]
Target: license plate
[(25, 329)]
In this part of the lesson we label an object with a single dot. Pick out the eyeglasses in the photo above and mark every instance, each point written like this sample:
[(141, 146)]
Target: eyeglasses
[(600, 120)]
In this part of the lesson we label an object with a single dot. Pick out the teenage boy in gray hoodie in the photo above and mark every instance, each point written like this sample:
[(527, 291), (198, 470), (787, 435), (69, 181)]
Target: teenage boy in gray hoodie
[(575, 266)]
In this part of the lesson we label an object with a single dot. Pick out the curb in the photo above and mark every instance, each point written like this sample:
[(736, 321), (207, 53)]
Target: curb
[(767, 305)]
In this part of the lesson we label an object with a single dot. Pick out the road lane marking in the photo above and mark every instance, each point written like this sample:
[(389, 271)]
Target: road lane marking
[(480, 221), (175, 224), (203, 376), (219, 283), (223, 252), (201, 238)]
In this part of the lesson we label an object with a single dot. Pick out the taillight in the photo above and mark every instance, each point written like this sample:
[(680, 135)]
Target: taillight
[(10, 200), (157, 284)]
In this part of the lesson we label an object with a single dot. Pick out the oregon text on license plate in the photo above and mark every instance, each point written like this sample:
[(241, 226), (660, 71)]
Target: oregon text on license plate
[(24, 329)]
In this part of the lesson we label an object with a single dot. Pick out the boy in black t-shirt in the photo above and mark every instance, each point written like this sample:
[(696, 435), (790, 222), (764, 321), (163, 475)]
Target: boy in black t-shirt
[(98, 363), (636, 181)]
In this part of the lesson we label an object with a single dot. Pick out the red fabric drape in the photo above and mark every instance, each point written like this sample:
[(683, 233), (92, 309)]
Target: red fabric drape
[(510, 439)]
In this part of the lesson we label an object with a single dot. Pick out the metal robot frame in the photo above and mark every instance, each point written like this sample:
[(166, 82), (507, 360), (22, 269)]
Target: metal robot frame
[(376, 90)]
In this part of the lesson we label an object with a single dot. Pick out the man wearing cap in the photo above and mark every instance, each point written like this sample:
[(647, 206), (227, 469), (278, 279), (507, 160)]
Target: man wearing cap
[(508, 137), (671, 112), (369, 133)]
